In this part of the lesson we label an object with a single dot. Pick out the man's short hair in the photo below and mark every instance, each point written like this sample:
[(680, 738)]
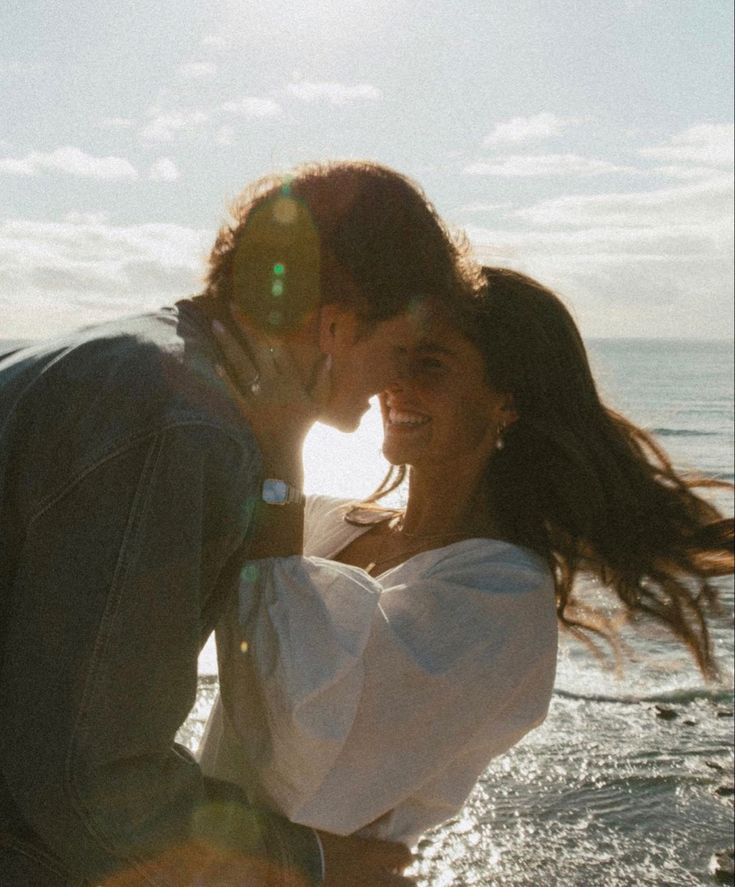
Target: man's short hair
[(351, 232)]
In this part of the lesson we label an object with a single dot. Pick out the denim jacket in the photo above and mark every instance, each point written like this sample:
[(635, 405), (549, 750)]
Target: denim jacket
[(127, 486)]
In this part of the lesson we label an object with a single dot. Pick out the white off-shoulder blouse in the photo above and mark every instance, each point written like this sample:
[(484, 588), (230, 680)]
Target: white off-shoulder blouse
[(353, 703)]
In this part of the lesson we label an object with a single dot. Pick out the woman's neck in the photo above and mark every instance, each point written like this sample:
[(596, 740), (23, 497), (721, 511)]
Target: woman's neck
[(444, 502)]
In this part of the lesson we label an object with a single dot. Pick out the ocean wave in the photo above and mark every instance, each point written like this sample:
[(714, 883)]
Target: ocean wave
[(681, 696)]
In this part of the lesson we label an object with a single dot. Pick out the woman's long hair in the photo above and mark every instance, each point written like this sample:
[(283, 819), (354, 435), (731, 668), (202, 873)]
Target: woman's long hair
[(584, 487)]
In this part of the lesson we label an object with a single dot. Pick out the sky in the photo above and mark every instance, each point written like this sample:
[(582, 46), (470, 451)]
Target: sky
[(587, 143)]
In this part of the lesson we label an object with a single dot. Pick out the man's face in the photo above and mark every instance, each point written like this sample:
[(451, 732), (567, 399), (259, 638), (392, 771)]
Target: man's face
[(365, 362)]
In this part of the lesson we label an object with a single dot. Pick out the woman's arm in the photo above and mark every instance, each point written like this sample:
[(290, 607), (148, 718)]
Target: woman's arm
[(399, 680)]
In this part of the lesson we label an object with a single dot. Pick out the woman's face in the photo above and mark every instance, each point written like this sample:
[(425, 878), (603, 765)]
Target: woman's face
[(442, 410)]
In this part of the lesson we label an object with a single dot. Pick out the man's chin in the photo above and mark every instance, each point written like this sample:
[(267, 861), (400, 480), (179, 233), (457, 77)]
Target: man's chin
[(342, 424)]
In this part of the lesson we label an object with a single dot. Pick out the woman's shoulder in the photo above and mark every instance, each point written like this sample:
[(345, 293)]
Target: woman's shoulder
[(331, 522), (332, 510), (320, 508), (490, 565), (324, 523)]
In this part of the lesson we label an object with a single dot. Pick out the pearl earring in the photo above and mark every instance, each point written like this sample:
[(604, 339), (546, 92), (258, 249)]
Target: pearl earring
[(500, 442)]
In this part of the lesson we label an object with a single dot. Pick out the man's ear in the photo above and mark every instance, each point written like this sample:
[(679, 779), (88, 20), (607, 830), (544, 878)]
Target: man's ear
[(328, 317), (337, 328)]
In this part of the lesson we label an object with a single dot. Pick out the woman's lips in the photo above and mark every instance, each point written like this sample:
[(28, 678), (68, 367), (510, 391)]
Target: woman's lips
[(406, 419)]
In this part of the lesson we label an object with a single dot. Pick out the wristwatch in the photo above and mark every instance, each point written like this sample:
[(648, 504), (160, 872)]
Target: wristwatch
[(279, 492)]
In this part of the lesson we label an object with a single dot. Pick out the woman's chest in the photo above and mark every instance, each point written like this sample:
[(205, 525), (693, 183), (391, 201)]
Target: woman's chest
[(379, 549)]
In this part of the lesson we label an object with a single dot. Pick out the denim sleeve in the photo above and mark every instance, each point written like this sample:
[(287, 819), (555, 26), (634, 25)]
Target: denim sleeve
[(100, 670)]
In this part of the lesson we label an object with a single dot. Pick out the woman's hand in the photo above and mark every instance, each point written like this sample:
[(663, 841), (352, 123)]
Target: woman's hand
[(269, 390)]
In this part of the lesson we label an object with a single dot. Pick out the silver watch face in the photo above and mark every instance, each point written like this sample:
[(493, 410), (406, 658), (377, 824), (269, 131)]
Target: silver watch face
[(275, 492), (278, 492)]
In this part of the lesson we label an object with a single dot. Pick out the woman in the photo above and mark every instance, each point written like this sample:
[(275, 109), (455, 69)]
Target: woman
[(369, 691)]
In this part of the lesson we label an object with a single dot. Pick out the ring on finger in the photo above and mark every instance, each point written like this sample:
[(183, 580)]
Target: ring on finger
[(255, 386)]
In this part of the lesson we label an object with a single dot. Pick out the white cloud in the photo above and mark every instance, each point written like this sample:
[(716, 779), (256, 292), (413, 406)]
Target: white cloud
[(117, 122), (225, 135), (84, 270), (197, 70), (164, 125), (705, 144), (526, 165), (703, 202), (214, 41), (642, 263), (164, 170), (604, 245), (481, 207), (679, 171), (333, 92), (527, 129), (72, 161), (19, 166), (252, 106)]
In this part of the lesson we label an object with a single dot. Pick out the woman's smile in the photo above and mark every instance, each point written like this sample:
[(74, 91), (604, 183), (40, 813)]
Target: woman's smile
[(405, 420)]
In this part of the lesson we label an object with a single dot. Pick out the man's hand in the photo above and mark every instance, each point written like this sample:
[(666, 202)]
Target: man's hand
[(268, 387), (359, 862)]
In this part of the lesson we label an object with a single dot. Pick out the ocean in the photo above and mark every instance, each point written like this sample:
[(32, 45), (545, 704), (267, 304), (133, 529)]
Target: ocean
[(629, 781)]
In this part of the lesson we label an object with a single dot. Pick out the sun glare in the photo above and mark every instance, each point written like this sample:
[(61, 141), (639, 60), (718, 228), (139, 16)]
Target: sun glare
[(346, 465)]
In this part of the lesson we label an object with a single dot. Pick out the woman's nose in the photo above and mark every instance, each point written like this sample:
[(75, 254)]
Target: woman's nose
[(401, 369), (393, 387), (399, 378)]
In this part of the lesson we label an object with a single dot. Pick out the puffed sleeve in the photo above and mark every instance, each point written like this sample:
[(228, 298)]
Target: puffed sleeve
[(370, 688), (291, 675)]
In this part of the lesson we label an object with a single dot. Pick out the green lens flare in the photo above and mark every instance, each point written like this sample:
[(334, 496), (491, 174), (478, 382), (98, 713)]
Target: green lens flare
[(279, 269)]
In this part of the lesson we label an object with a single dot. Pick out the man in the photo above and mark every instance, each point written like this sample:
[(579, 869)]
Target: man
[(128, 486)]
